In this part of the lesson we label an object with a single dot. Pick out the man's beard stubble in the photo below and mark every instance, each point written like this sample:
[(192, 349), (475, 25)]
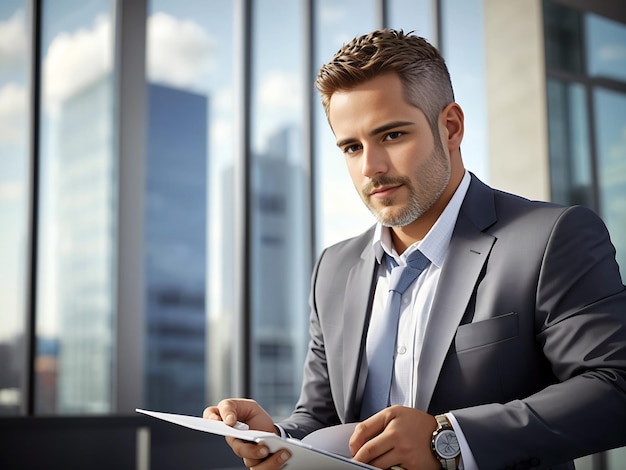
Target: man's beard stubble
[(431, 181)]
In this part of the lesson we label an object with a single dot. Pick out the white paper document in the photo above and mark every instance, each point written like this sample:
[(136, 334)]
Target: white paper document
[(326, 448)]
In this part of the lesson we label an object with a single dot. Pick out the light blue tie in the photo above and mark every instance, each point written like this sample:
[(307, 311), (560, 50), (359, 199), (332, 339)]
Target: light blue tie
[(383, 342)]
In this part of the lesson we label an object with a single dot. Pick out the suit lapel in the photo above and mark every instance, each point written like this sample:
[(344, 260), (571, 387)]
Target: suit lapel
[(356, 315), (468, 251)]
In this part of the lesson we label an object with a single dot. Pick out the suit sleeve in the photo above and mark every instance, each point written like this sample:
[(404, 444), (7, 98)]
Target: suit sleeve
[(315, 408), (580, 323)]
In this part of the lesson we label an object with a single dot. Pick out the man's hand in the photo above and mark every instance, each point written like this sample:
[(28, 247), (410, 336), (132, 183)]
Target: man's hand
[(250, 412), (396, 436)]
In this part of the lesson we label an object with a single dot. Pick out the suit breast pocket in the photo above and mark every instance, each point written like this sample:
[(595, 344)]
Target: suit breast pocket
[(486, 332)]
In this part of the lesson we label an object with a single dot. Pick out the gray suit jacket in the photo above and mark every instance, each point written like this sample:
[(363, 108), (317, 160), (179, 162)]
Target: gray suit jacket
[(526, 342)]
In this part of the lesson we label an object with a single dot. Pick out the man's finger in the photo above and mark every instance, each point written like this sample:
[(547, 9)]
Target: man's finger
[(228, 411), (247, 450), (273, 462), (212, 412)]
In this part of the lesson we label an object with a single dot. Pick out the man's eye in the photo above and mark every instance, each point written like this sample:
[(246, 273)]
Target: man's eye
[(352, 148), (393, 135)]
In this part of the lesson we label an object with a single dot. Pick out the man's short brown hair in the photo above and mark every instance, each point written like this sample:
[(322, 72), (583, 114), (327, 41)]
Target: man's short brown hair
[(418, 64)]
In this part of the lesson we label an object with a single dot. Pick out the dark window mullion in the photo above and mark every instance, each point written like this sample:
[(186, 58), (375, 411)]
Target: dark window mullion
[(28, 391)]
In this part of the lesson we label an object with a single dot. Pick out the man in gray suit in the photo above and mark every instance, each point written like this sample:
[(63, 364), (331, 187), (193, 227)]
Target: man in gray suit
[(509, 349)]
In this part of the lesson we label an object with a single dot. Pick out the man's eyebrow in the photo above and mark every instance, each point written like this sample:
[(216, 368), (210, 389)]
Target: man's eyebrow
[(379, 130), (389, 126)]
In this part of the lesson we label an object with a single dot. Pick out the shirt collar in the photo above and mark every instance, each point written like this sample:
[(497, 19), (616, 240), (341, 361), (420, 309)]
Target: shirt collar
[(435, 244)]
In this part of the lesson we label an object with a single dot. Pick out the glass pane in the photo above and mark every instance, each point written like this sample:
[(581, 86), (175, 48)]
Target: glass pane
[(279, 214), (340, 212), (563, 37), (616, 458), (77, 246), (464, 51), (189, 179), (419, 16), (568, 131), (606, 47), (610, 126), (13, 201)]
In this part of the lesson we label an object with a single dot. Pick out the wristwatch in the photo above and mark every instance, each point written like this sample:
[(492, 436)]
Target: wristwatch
[(444, 444)]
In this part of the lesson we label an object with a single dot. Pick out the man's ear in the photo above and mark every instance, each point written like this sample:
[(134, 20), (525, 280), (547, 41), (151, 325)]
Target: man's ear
[(451, 121)]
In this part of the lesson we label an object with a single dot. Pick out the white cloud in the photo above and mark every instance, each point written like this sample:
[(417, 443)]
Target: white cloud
[(13, 41), (280, 106), (221, 130), (331, 12), (76, 60), (179, 54), (223, 100), (280, 90), (179, 51), (13, 112)]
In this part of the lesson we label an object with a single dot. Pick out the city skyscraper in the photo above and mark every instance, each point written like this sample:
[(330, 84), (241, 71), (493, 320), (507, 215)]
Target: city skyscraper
[(175, 249), (174, 256), (85, 174)]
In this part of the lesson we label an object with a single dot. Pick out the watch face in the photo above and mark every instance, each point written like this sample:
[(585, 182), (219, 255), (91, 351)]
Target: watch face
[(446, 444)]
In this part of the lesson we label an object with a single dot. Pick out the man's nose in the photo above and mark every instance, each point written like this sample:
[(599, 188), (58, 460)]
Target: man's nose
[(374, 161)]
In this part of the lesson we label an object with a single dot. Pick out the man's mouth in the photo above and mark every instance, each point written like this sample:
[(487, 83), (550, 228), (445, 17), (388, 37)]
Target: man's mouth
[(385, 191)]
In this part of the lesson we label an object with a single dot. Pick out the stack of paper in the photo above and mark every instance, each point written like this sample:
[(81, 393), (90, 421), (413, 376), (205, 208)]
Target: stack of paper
[(326, 448)]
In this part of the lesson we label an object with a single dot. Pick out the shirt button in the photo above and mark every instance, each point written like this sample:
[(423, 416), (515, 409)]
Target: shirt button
[(406, 300), (402, 350)]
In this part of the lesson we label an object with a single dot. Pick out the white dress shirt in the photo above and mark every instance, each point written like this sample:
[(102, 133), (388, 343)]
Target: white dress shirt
[(416, 304)]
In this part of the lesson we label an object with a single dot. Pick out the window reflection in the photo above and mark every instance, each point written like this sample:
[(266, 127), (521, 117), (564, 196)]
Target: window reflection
[(610, 111), (463, 49), (13, 202), (175, 249), (563, 37), (76, 280), (616, 459), (280, 220), (419, 16), (570, 152), (340, 212), (189, 205), (584, 55), (606, 46)]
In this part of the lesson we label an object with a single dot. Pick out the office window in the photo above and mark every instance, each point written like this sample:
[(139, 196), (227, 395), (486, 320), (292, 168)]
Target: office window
[(586, 95), (279, 215), (563, 37), (586, 92), (340, 213), (605, 45), (610, 125), (189, 204), (571, 171), (462, 46), (14, 189), (77, 218), (569, 146), (419, 16)]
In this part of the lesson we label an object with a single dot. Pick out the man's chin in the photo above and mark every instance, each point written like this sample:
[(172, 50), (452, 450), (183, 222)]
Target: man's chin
[(391, 220), (394, 224)]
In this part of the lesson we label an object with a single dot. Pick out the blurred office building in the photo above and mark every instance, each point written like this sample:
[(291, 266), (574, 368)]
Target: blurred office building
[(175, 250)]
